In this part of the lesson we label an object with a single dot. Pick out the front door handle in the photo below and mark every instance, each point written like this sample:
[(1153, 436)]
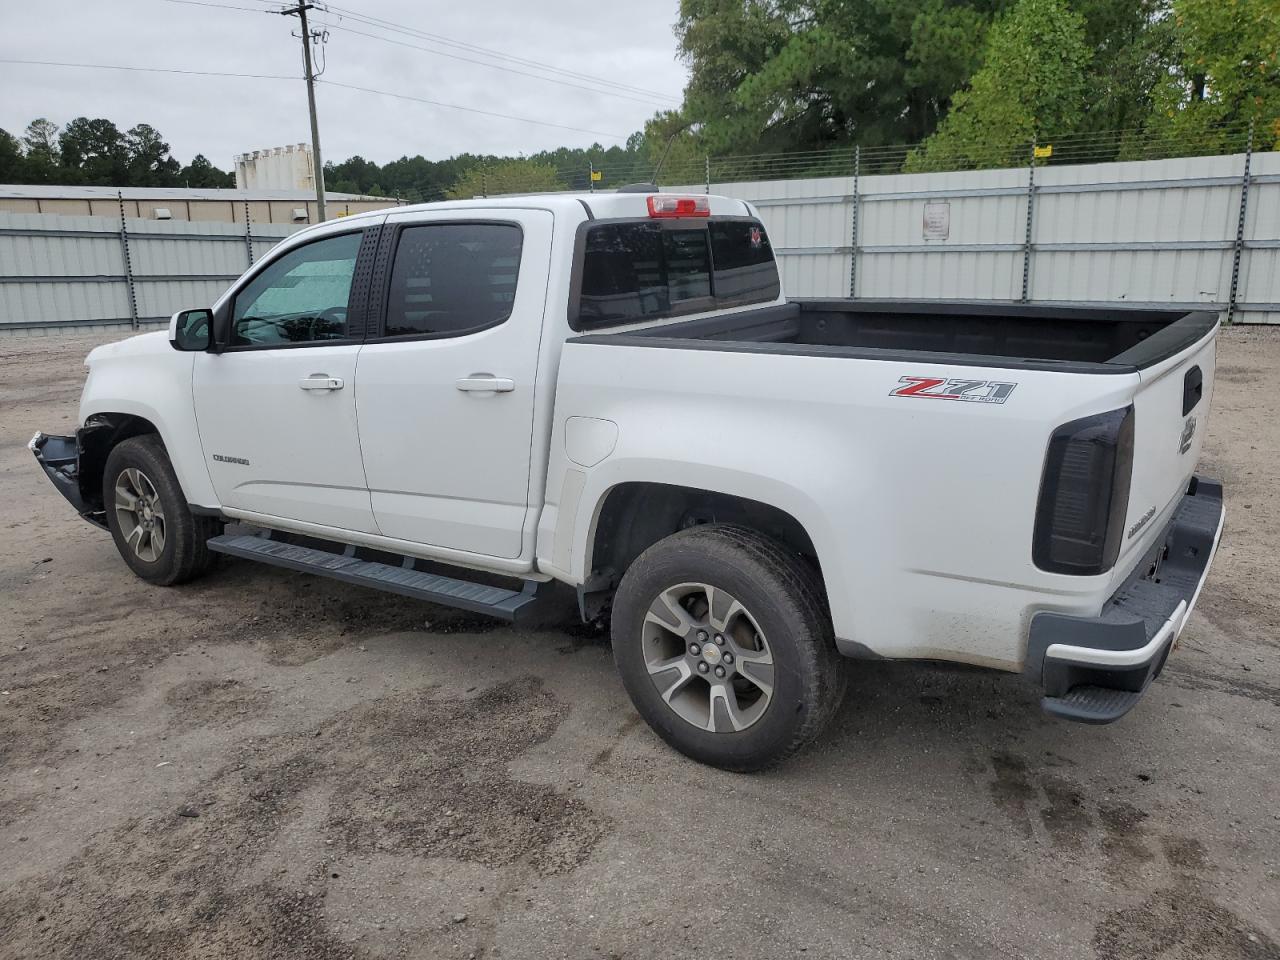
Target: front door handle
[(485, 383), (321, 381)]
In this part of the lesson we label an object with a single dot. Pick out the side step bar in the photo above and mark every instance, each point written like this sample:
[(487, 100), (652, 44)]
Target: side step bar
[(405, 580)]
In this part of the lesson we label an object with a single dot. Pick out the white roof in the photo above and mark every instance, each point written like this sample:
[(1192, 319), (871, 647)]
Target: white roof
[(603, 204), (50, 191)]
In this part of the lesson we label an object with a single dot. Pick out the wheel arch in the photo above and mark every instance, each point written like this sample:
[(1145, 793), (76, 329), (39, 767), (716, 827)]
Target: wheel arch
[(633, 515), (101, 433)]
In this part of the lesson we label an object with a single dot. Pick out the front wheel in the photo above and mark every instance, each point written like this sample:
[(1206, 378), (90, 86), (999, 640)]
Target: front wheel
[(725, 646), (147, 514)]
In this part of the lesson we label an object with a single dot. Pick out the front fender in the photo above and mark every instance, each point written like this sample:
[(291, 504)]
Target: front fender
[(145, 377)]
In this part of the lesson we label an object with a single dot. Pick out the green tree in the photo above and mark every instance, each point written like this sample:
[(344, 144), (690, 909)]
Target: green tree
[(788, 75), (1032, 83), (40, 142), (1132, 44), (149, 162), (200, 173), (12, 162), (95, 152), (674, 150), (41, 139), (1226, 74), (360, 174), (506, 176)]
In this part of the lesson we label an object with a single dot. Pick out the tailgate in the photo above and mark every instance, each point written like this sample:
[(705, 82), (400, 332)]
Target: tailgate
[(1171, 412)]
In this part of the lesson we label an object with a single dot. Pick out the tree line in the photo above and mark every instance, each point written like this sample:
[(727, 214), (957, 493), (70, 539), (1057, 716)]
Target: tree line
[(468, 175), (967, 80), (97, 152)]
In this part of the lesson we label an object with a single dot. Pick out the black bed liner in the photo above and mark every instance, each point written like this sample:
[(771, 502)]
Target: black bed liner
[(1067, 339)]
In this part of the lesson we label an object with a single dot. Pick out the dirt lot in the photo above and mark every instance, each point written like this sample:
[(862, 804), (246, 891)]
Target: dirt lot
[(268, 765)]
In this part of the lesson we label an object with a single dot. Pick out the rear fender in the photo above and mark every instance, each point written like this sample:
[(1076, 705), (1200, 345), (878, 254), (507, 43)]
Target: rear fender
[(581, 500)]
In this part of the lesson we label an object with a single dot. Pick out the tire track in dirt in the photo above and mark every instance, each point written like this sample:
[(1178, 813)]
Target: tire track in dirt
[(410, 776)]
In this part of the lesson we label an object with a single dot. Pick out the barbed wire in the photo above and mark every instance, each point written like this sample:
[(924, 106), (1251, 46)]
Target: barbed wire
[(1101, 146)]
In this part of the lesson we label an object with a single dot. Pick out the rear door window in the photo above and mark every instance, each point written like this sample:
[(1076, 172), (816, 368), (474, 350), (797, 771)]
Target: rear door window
[(452, 278), (641, 270)]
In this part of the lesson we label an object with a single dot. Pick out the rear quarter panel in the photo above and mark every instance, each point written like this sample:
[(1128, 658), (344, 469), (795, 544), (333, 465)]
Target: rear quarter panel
[(921, 510)]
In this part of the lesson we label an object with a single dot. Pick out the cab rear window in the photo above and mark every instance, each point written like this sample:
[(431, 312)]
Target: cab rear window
[(642, 270)]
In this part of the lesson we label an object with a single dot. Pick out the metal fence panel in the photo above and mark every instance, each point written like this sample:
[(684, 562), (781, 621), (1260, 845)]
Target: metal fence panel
[(1154, 232), (1149, 232), (159, 299), (75, 272), (169, 257), (79, 301), (1260, 258)]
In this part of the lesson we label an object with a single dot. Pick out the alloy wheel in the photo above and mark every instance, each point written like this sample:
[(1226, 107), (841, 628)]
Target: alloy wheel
[(140, 514), (708, 657)]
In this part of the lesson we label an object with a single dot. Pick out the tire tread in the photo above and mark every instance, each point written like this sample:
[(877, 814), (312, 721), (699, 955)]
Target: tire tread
[(799, 584), (190, 533)]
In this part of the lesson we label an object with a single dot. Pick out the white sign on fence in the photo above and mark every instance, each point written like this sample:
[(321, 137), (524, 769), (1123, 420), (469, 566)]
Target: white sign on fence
[(937, 220)]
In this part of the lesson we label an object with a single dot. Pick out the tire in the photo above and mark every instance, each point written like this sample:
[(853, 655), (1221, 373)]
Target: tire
[(782, 671), (160, 539)]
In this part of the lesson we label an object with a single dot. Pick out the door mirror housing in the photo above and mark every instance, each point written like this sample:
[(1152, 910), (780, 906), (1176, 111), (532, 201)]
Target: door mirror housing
[(191, 330)]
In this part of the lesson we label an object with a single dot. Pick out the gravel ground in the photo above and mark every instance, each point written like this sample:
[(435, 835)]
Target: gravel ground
[(267, 765)]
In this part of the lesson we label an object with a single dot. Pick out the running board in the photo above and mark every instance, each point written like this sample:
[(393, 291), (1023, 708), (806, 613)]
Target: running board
[(405, 580)]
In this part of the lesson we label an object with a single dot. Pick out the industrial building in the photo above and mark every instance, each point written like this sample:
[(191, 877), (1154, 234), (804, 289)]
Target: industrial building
[(258, 204), (276, 168)]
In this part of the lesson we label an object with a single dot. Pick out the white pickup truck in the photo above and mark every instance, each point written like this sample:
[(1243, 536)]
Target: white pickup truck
[(478, 402)]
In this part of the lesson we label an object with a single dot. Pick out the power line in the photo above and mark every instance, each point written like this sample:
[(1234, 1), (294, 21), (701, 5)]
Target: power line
[(392, 26), (454, 106), (600, 84), (332, 83), (221, 6), (648, 101), (113, 66)]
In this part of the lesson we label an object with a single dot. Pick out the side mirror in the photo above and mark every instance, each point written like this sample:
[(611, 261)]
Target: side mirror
[(191, 330)]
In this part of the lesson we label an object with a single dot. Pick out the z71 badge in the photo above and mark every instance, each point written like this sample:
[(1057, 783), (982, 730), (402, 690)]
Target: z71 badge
[(956, 388)]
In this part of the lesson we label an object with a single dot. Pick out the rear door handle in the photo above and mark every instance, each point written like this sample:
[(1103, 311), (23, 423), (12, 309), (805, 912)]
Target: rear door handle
[(321, 381), (485, 383)]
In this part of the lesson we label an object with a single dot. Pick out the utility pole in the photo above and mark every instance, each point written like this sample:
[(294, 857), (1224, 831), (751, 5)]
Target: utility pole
[(317, 163)]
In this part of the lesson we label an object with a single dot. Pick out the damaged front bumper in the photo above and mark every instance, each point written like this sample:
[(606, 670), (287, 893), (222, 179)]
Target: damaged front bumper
[(59, 457)]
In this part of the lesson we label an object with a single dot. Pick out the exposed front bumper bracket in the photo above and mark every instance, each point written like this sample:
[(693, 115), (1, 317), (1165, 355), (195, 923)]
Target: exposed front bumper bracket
[(59, 457), (1095, 669)]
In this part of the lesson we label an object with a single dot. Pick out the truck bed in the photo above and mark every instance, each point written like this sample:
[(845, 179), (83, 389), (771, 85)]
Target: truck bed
[(1001, 335)]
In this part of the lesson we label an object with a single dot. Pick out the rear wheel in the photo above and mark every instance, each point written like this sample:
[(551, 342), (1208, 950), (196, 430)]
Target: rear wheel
[(147, 514), (725, 646)]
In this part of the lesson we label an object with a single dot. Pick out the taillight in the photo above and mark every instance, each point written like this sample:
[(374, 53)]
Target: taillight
[(664, 205), (1084, 494)]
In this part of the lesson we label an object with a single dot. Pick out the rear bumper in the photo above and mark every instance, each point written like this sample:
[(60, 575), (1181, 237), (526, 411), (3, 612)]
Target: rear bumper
[(1095, 669), (59, 457)]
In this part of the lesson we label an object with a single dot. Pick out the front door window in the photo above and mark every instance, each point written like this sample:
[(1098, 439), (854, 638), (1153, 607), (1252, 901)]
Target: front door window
[(302, 297)]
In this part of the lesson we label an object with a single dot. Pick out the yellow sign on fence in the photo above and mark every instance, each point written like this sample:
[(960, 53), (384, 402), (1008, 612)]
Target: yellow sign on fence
[(1045, 152), (597, 176)]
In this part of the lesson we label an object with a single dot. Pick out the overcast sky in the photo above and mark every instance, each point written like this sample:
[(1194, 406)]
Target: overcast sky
[(224, 116)]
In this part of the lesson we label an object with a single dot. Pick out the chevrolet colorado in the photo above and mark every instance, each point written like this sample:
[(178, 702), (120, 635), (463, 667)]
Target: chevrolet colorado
[(472, 402)]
